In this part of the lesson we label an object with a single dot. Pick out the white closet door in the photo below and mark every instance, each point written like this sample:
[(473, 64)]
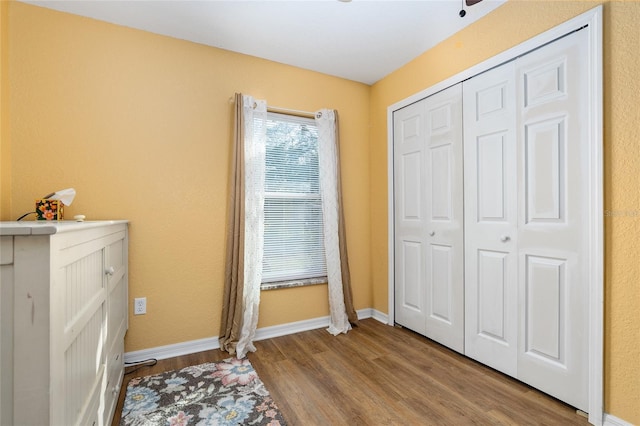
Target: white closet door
[(445, 218), (526, 198), (553, 226), (410, 217), (491, 286), (429, 217)]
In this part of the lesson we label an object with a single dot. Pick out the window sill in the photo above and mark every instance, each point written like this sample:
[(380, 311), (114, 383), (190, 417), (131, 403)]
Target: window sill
[(293, 283)]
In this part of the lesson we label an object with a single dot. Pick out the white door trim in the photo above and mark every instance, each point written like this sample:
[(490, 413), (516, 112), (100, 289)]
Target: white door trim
[(592, 19)]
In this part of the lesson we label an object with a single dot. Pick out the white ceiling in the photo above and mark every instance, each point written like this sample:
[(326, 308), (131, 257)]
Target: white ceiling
[(362, 40)]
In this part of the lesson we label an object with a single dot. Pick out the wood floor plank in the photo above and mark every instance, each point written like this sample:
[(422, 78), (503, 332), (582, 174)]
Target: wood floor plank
[(382, 375)]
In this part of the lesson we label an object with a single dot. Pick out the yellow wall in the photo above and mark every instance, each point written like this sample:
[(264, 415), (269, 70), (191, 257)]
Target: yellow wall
[(507, 26), (140, 125), (5, 146)]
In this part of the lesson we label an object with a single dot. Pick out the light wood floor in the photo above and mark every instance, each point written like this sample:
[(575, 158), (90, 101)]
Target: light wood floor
[(382, 375)]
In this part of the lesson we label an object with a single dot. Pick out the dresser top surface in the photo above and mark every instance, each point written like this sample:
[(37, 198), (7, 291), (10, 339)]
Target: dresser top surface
[(45, 227)]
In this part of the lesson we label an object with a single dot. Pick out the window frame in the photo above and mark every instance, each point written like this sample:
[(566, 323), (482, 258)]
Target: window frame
[(293, 280)]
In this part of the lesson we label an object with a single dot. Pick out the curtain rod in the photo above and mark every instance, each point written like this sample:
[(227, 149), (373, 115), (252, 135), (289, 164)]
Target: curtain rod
[(295, 112)]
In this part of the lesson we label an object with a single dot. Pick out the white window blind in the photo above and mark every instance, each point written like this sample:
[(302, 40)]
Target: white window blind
[(293, 236)]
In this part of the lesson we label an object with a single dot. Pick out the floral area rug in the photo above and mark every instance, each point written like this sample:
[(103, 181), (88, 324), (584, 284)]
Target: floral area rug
[(223, 393)]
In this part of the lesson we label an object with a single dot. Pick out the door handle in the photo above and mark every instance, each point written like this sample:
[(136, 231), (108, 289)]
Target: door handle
[(505, 238), (432, 233)]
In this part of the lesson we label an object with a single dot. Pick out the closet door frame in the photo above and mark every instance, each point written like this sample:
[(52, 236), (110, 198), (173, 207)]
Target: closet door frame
[(592, 21)]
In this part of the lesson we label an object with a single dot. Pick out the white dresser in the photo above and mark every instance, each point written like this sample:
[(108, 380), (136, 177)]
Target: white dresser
[(64, 314)]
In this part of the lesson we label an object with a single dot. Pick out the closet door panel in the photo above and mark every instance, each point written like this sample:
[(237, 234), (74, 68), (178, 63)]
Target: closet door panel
[(490, 166), (544, 179), (428, 180), (410, 217), (440, 296), (444, 198), (411, 187), (553, 227), (545, 296), (440, 181), (490, 197), (492, 288)]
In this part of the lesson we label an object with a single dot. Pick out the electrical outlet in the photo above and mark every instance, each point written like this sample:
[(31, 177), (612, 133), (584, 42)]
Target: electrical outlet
[(140, 305)]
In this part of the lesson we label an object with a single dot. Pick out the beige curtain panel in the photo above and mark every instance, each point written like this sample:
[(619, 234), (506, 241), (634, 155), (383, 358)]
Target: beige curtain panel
[(231, 323), (342, 237)]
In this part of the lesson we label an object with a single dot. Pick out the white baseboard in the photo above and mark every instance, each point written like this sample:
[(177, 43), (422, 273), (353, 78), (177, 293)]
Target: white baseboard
[(170, 351), (210, 343), (373, 313), (610, 420)]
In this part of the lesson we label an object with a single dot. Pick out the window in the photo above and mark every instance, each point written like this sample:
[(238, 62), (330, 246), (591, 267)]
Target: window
[(293, 233)]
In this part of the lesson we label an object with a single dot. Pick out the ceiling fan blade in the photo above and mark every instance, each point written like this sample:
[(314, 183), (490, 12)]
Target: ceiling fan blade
[(472, 2)]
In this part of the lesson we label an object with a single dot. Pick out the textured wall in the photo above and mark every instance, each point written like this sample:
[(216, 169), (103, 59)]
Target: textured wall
[(5, 142), (141, 125), (498, 31), (622, 209)]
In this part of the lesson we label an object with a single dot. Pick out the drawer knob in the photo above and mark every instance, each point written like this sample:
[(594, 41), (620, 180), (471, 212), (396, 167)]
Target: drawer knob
[(110, 270)]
